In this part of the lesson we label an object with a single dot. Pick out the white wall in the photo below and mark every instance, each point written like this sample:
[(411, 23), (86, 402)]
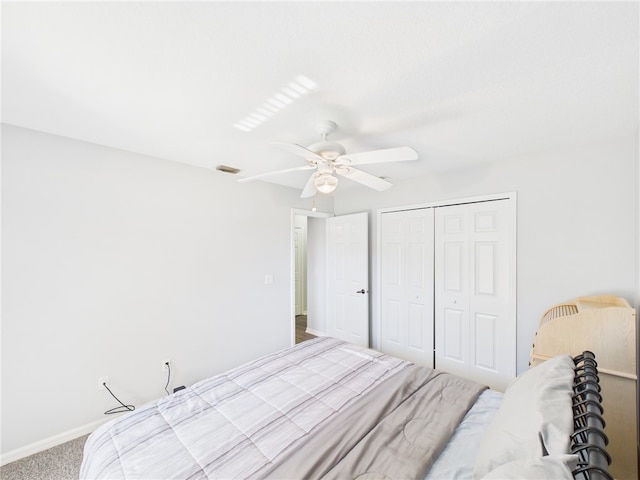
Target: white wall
[(112, 262), (577, 216)]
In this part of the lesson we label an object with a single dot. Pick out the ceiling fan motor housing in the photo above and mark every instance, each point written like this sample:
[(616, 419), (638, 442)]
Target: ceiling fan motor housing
[(328, 150)]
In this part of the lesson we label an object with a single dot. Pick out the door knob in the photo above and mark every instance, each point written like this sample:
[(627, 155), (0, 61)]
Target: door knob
[(361, 291)]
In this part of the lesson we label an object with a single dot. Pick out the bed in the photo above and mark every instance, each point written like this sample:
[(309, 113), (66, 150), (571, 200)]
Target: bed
[(605, 324), (328, 409)]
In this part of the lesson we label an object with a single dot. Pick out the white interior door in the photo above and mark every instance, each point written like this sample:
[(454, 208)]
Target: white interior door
[(348, 278), (406, 296), (475, 290)]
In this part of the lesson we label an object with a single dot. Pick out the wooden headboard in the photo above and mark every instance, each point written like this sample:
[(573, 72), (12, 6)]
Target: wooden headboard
[(605, 325)]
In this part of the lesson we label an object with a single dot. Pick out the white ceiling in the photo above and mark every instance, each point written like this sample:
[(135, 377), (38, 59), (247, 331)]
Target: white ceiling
[(461, 82)]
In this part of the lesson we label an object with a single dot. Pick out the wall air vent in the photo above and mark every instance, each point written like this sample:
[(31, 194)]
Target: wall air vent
[(226, 169)]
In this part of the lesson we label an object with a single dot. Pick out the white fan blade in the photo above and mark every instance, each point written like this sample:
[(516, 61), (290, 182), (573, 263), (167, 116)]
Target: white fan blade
[(364, 178), (309, 188), (286, 170), (397, 154), (299, 150)]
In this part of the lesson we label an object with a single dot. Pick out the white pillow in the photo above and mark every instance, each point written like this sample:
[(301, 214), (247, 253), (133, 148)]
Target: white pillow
[(536, 406), (555, 467)]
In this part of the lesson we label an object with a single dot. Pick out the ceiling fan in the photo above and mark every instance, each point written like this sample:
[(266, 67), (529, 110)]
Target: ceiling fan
[(327, 158)]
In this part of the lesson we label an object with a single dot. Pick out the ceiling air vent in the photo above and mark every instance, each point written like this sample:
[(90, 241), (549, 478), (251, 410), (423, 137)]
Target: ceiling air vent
[(226, 169)]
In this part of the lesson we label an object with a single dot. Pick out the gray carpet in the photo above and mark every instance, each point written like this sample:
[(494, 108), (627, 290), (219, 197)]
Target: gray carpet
[(58, 463)]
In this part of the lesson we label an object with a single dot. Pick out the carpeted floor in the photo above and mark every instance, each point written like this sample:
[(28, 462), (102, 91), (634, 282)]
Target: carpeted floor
[(58, 463)]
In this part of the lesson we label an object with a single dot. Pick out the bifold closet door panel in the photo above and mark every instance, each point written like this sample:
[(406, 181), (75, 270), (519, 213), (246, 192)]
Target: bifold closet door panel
[(407, 285), (475, 320)]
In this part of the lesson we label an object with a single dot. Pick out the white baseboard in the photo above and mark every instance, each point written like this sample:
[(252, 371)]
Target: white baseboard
[(315, 332), (50, 442)]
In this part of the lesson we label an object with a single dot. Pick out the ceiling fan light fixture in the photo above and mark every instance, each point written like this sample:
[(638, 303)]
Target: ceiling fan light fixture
[(325, 183)]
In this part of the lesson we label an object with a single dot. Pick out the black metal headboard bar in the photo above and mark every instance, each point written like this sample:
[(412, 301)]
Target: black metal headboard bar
[(589, 441)]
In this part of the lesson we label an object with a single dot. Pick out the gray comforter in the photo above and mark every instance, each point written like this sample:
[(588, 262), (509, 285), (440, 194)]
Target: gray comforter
[(323, 408), (396, 431)]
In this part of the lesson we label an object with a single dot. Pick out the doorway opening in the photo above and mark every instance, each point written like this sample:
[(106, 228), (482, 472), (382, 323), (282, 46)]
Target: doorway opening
[(307, 274)]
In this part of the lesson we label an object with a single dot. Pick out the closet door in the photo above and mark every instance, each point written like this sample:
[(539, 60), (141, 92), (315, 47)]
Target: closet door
[(475, 319), (407, 285)]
